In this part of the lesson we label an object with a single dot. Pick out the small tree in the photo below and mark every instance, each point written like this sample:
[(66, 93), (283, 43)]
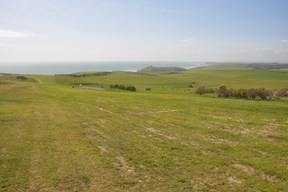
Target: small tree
[(122, 87), (262, 93), (223, 92), (252, 93), (131, 88), (200, 90), (21, 77)]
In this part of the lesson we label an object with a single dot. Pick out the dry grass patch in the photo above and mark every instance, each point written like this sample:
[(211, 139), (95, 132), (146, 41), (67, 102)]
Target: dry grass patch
[(234, 180), (122, 165), (251, 171), (103, 149), (159, 133), (72, 183)]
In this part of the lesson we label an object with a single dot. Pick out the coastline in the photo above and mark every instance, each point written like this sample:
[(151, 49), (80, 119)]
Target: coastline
[(52, 68)]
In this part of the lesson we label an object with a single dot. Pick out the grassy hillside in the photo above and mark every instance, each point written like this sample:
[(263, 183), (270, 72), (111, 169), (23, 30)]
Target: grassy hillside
[(56, 138), (161, 69), (244, 66), (207, 78)]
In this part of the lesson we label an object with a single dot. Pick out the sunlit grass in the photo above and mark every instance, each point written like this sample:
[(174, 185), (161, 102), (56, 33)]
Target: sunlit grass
[(56, 138)]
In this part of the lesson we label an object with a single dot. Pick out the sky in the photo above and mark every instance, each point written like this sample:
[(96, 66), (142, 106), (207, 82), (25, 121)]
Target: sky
[(143, 30)]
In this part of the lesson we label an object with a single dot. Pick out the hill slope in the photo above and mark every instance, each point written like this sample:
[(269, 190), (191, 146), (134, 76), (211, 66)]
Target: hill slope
[(56, 138), (160, 69)]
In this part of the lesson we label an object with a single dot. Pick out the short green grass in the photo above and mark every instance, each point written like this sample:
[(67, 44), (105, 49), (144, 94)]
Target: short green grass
[(57, 138), (207, 78)]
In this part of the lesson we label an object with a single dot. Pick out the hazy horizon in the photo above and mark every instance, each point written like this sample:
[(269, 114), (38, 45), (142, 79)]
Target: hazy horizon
[(137, 61), (142, 31), (51, 68)]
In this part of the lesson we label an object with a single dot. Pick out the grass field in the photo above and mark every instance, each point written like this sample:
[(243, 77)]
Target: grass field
[(57, 138)]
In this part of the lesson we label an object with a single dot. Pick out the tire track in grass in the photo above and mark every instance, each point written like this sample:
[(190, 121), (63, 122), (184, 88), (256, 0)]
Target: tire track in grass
[(212, 138), (150, 129), (126, 169), (119, 162), (270, 178), (36, 180), (167, 124), (59, 151)]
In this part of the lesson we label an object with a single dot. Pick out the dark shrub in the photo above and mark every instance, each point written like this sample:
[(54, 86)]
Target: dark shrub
[(122, 87), (223, 92), (131, 88), (246, 93), (252, 93), (202, 91), (262, 93), (21, 77)]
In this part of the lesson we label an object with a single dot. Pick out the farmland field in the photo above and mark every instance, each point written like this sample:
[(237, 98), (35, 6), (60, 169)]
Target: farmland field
[(58, 138)]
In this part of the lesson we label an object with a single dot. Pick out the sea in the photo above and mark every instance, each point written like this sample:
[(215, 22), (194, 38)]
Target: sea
[(51, 68)]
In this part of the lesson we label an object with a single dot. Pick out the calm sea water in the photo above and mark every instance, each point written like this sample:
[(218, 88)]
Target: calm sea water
[(50, 68)]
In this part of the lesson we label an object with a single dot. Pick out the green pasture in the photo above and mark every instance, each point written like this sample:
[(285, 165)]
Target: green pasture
[(198, 78), (57, 138)]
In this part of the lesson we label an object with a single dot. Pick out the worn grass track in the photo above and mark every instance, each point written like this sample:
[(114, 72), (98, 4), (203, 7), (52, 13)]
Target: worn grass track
[(55, 138)]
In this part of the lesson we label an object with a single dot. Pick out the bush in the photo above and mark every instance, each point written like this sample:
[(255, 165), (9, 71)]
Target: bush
[(21, 77), (223, 92), (252, 93), (260, 93), (131, 88), (281, 92), (122, 87), (202, 90)]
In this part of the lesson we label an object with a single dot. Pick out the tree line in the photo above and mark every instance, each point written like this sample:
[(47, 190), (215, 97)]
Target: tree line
[(122, 87), (85, 74), (21, 77), (254, 93)]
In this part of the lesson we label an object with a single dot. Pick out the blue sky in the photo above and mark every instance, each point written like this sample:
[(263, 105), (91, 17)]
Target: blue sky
[(143, 30)]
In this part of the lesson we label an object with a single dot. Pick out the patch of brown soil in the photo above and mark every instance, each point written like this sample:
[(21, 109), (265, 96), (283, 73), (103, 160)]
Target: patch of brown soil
[(159, 133), (251, 171), (122, 165), (166, 111), (104, 110), (103, 149), (244, 168), (221, 140), (235, 180)]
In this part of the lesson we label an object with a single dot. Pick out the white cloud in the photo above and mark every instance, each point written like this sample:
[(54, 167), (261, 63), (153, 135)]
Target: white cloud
[(265, 54), (268, 51), (262, 52), (3, 45), (285, 41), (8, 33)]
